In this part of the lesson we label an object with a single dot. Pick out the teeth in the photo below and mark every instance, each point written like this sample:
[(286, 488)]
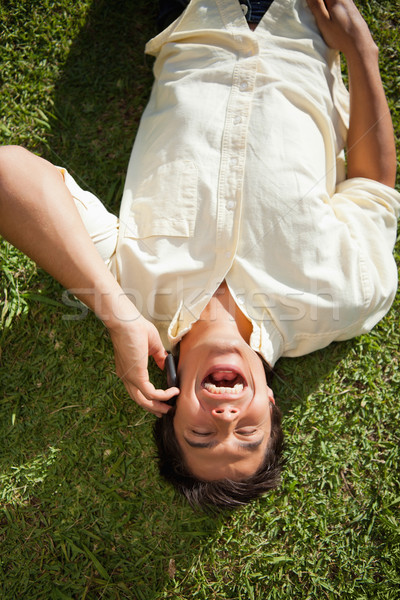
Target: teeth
[(213, 389)]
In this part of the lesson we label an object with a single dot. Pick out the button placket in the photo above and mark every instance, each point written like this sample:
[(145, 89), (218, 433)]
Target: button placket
[(233, 158)]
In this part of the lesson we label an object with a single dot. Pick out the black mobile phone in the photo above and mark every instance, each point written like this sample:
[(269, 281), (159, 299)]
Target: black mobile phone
[(170, 366), (172, 376)]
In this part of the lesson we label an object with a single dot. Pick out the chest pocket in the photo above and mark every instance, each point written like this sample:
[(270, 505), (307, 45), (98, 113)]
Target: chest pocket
[(165, 203)]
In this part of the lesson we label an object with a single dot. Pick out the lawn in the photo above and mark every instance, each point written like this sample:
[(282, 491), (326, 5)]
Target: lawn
[(83, 512)]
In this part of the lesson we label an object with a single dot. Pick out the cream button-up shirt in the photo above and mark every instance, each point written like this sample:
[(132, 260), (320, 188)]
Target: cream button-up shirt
[(237, 174)]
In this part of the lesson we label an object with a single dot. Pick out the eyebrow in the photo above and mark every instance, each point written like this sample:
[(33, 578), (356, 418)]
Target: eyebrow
[(246, 445)]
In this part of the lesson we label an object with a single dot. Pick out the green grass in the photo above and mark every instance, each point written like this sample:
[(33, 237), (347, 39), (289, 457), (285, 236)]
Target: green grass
[(83, 513)]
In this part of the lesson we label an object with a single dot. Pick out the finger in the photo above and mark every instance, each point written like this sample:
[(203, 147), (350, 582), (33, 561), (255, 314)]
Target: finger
[(319, 10), (158, 352), (172, 396), (153, 406), (148, 390), (330, 4)]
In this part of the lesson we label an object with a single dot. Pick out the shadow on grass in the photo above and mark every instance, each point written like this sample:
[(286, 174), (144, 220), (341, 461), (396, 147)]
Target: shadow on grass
[(296, 378), (101, 95)]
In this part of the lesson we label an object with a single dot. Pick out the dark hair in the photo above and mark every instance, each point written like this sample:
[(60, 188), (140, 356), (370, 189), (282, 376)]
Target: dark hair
[(223, 493)]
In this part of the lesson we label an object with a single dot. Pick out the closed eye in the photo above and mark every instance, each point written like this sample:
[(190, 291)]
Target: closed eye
[(212, 443), (246, 431)]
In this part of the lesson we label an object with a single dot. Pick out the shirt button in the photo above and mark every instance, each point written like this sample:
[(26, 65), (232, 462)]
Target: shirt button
[(243, 86), (234, 161), (237, 119), (230, 205)]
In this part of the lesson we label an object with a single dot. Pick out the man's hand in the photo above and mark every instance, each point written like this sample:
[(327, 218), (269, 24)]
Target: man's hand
[(341, 25), (134, 341)]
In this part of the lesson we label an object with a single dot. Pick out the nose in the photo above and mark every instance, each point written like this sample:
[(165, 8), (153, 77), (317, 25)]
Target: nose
[(229, 413)]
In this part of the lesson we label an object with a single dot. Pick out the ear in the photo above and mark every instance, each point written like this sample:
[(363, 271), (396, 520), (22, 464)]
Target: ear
[(271, 397)]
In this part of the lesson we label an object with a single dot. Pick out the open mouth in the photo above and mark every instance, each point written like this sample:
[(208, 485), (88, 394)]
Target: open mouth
[(224, 381)]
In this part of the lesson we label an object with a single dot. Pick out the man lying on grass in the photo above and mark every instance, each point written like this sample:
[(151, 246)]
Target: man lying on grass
[(240, 239)]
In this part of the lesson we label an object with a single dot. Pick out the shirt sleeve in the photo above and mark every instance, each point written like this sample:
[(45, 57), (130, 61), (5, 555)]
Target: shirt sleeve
[(370, 211)]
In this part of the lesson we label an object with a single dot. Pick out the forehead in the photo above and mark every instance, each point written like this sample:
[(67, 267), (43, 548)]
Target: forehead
[(223, 462)]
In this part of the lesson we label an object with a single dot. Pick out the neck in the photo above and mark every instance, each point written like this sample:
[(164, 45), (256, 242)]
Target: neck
[(222, 312)]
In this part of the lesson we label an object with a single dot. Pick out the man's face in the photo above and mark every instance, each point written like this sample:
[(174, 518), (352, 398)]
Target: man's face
[(223, 413)]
